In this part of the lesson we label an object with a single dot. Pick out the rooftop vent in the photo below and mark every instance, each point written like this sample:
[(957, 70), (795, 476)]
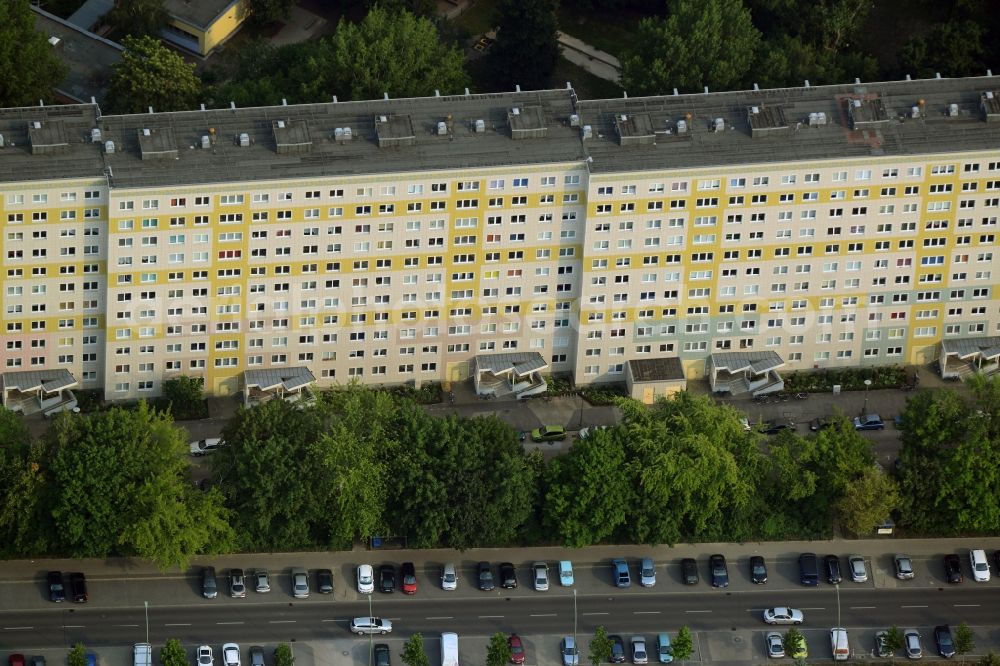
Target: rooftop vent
[(527, 122), (244, 140), (719, 125), (587, 132), (395, 130), (953, 110), (682, 127), (635, 129), (109, 147), (95, 135), (206, 142), (291, 137), (766, 121), (48, 138), (990, 105), (817, 119), (574, 120), (480, 126), (868, 113), (442, 128), (157, 144)]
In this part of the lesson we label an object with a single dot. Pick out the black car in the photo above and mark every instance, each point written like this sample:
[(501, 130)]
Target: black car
[(485, 575), (720, 574), (508, 576), (808, 569), (832, 565), (945, 643), (57, 591), (820, 423), (209, 583), (689, 571), (953, 568), (758, 570), (324, 581), (256, 655), (381, 653), (773, 428), (387, 578), (78, 587), (996, 560), (617, 650)]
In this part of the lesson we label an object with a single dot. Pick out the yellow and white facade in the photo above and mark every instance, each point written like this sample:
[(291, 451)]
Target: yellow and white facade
[(213, 242)]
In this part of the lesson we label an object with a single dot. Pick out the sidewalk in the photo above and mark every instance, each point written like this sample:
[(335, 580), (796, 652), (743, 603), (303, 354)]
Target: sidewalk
[(597, 62)]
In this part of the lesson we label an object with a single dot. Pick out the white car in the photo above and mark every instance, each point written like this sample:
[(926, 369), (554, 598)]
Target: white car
[(856, 565), (300, 583), (370, 625), (541, 570), (566, 573), (449, 579), (203, 446), (366, 579), (639, 655), (783, 615), (206, 656), (980, 565), (231, 654)]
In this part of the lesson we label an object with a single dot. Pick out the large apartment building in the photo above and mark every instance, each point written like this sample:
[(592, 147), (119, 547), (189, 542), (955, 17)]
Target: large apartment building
[(500, 236)]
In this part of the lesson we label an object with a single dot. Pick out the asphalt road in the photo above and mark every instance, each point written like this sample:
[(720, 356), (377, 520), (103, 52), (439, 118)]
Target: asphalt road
[(117, 614)]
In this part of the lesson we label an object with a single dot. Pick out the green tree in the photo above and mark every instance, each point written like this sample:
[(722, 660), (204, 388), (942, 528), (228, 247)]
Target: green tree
[(867, 502), (173, 654), (527, 46), (29, 66), (13, 432), (77, 656), (151, 75), (26, 525), (952, 48), (989, 660), (269, 11), (396, 53), (893, 639), (138, 18), (414, 653), (283, 655), (600, 647), (185, 396), (683, 645), (794, 641), (498, 651), (700, 43), (257, 73), (965, 642), (120, 485)]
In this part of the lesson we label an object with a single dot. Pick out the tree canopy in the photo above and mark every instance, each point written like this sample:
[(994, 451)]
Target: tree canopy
[(152, 75), (527, 46), (700, 43), (29, 66), (139, 17)]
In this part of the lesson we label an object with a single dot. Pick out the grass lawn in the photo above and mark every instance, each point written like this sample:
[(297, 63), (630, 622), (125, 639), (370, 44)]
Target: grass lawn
[(586, 85), (479, 18), (608, 31)]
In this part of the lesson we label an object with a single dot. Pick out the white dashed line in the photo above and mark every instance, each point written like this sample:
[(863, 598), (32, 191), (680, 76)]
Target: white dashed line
[(645, 612), (489, 617), (542, 615), (18, 628), (861, 607), (698, 611), (281, 621), (966, 605), (440, 617), (126, 625), (595, 613), (177, 624), (73, 626), (216, 623), (913, 606)]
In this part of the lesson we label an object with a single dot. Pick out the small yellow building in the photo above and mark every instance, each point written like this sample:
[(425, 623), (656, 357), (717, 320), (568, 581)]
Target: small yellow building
[(200, 26), (649, 379)]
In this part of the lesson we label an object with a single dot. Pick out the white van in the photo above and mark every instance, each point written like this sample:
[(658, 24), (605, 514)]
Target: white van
[(142, 654), (838, 644), (449, 649)]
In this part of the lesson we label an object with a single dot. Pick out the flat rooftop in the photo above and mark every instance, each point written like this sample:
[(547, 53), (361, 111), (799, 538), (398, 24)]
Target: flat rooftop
[(198, 13), (89, 58), (463, 132)]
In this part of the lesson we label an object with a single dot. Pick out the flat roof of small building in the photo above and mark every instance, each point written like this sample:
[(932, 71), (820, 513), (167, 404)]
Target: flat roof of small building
[(90, 59), (199, 13), (342, 139), (664, 369)]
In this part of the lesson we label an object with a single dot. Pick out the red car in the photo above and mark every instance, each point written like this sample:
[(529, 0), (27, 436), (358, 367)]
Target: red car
[(409, 575), (16, 660), (516, 649)]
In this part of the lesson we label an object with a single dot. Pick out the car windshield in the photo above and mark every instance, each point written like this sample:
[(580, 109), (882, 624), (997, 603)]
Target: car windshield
[(758, 568)]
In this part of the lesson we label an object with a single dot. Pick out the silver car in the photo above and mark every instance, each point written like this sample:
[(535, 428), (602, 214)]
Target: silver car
[(449, 579), (783, 615), (775, 648), (639, 655), (206, 656), (856, 565), (911, 643), (647, 572), (541, 570), (569, 651), (370, 625), (231, 654), (262, 582), (300, 583)]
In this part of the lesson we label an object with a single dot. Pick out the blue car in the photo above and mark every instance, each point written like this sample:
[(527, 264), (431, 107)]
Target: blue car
[(619, 569), (869, 422)]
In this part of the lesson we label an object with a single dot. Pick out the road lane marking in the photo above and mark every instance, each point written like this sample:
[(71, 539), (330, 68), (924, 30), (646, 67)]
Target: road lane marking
[(440, 617), (913, 606), (177, 624), (489, 617), (966, 605), (595, 613), (861, 607), (542, 615), (645, 612), (281, 622), (698, 611), (216, 623), (73, 626), (125, 625), (817, 608), (18, 628)]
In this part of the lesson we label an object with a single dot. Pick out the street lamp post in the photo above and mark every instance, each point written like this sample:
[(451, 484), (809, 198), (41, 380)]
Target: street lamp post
[(371, 649), (864, 411), (574, 621), (146, 604), (837, 587)]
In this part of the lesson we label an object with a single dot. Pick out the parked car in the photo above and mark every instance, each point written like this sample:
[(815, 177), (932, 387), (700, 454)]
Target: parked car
[(911, 643), (882, 645), (664, 650), (869, 422), (256, 655), (57, 590), (231, 654), (237, 584), (387, 578), (15, 659), (589, 431), (449, 578), (808, 569), (508, 576), (549, 433), (620, 573), (570, 653), (783, 615), (775, 647), (689, 571), (205, 446), (639, 655), (758, 570), (366, 579), (324, 581), (820, 423), (945, 642), (408, 574), (904, 567), (617, 649), (800, 651), (370, 625), (774, 427), (953, 568), (209, 583), (78, 587), (485, 576), (856, 565), (206, 656), (380, 653), (262, 581), (647, 572), (565, 573), (832, 565), (980, 565), (300, 583), (516, 649), (541, 577), (720, 573)]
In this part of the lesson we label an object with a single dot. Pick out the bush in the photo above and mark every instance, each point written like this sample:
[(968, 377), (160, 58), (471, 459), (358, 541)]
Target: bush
[(603, 395), (427, 394), (89, 400), (849, 379), (559, 385), (184, 397)]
